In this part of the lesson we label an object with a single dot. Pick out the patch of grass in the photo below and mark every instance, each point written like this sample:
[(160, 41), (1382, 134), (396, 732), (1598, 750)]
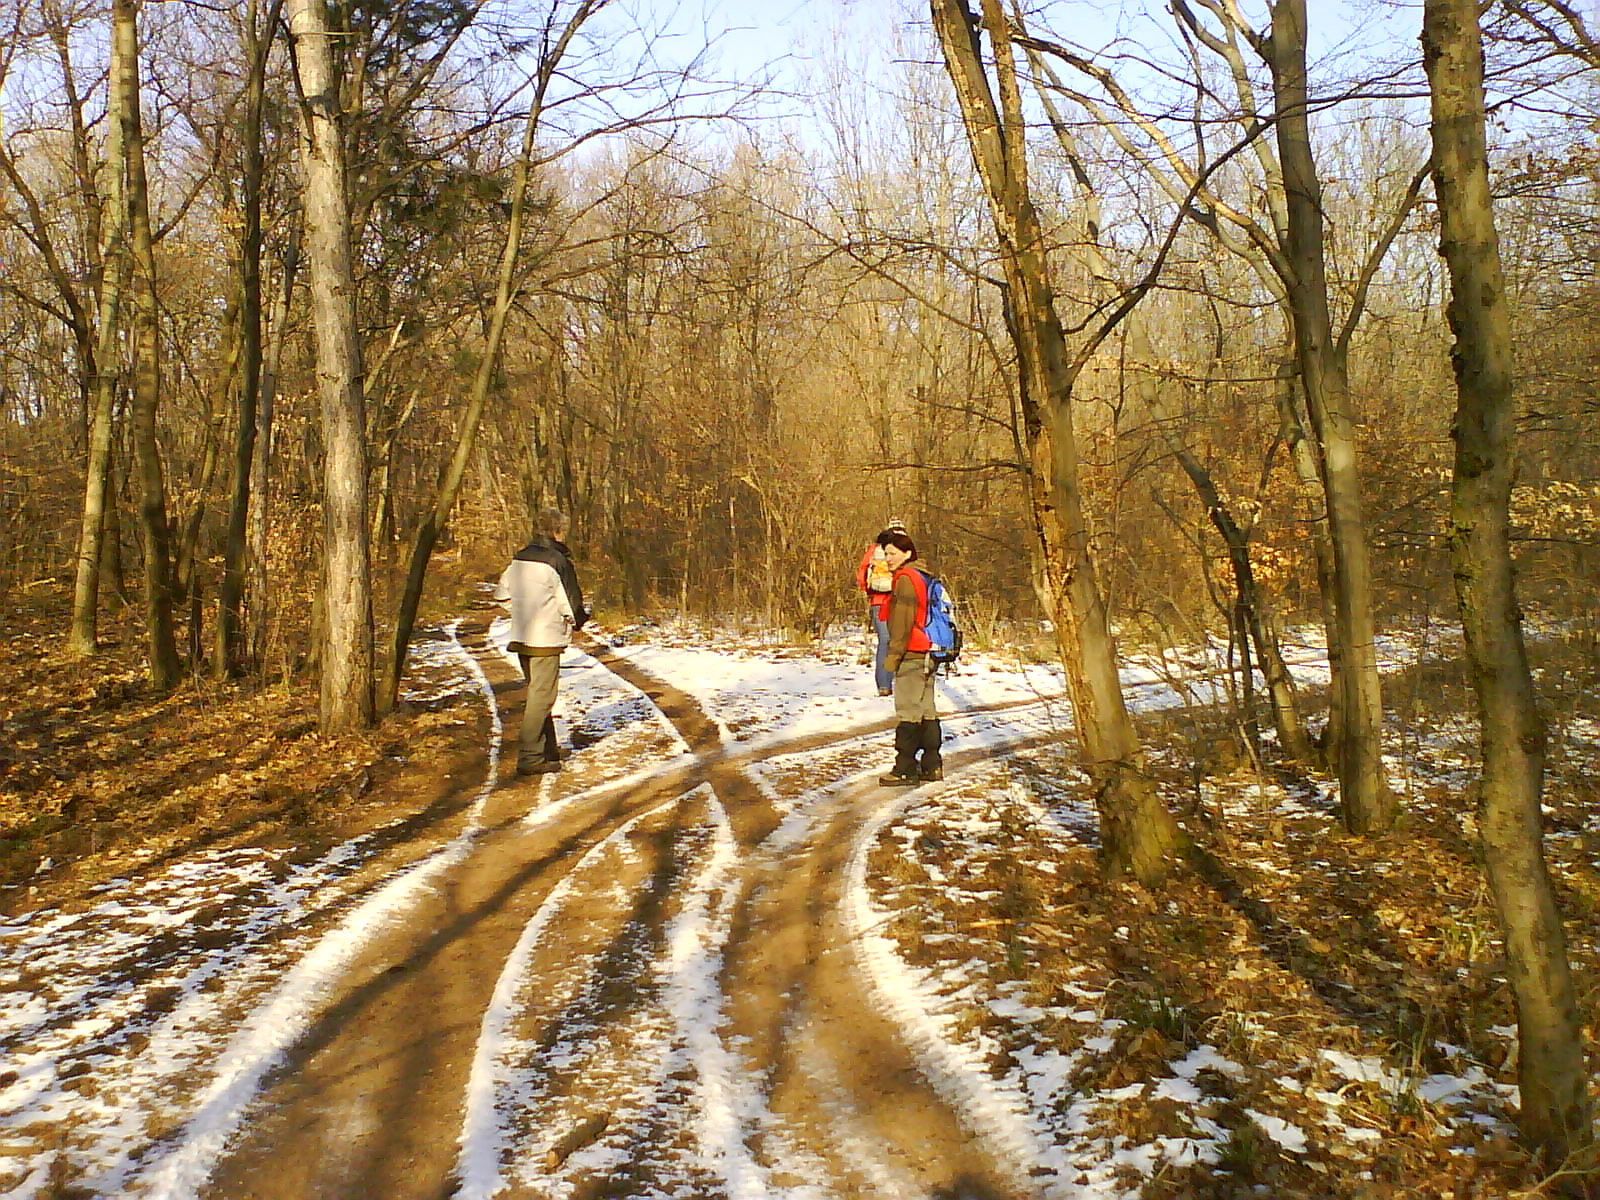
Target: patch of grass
[(1188, 934), (1402, 1104), (1466, 939), (1247, 1152), (1236, 1035), (1159, 1013), (897, 870)]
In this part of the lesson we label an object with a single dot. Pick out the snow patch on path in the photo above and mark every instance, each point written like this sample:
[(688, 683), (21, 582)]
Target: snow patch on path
[(991, 1108), (278, 1024), (484, 1134)]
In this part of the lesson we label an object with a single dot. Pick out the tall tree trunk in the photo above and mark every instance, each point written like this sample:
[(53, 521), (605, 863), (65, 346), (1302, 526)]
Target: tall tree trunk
[(347, 678), (230, 653), (1550, 1070), (84, 635), (155, 531), (94, 209), (1138, 834), (1367, 802), (1308, 478)]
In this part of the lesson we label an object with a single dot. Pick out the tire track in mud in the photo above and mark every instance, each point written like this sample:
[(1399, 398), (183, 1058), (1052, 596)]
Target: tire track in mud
[(830, 1101), (370, 1101), (787, 1080), (617, 1085), (715, 1089)]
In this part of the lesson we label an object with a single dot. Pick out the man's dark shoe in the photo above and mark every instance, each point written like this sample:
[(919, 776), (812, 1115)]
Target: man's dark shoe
[(896, 779), (539, 767), (932, 774)]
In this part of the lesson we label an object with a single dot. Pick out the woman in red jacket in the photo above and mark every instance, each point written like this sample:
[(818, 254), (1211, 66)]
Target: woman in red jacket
[(875, 578), (917, 734)]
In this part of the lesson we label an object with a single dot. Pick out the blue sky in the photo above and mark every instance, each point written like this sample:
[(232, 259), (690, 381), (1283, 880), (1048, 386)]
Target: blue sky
[(810, 48), (755, 33)]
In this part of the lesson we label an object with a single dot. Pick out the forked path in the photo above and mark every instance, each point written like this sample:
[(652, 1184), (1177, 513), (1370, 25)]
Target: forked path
[(645, 985)]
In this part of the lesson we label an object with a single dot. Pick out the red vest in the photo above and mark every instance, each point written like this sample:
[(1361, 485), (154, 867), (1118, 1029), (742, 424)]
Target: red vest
[(918, 643)]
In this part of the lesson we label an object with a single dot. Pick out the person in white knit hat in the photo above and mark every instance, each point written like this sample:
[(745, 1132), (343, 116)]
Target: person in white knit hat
[(873, 578)]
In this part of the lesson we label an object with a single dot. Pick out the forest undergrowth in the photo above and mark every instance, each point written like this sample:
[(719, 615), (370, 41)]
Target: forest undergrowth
[(1286, 945), (1359, 983), (97, 769)]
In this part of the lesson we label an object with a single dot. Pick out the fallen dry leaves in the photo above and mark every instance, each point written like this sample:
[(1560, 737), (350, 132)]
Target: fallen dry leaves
[(97, 770)]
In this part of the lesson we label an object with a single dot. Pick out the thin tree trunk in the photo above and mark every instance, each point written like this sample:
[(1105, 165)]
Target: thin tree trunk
[(154, 529), (1287, 716), (1138, 834), (84, 635), (94, 209), (261, 482), (111, 570), (1252, 627), (187, 583), (434, 520), (383, 526), (1367, 802), (1550, 1069), (347, 676), (230, 608), (1308, 476)]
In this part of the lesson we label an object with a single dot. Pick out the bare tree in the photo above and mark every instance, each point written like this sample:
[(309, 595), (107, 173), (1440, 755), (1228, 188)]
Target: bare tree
[(83, 637), (555, 43), (347, 653), (1551, 1068), (155, 530), (1250, 617), (1286, 250), (259, 30), (1365, 797), (261, 467), (1138, 834)]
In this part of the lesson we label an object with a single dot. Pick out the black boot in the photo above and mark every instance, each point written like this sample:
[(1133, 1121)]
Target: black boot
[(929, 737), (907, 740), (552, 751)]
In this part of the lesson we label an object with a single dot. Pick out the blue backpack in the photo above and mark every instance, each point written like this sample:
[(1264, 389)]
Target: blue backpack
[(944, 635)]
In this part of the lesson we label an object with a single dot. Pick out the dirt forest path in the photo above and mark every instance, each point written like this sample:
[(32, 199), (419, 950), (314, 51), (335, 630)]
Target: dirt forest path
[(615, 983), (712, 958)]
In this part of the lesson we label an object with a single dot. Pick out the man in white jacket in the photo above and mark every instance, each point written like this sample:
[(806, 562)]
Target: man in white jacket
[(541, 588)]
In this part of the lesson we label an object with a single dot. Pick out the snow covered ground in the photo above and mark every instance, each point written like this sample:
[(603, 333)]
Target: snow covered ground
[(136, 1032), (975, 1040)]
